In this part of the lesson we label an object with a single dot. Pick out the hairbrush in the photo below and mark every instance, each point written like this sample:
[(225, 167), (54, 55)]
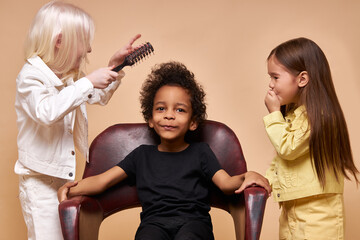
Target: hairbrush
[(134, 57)]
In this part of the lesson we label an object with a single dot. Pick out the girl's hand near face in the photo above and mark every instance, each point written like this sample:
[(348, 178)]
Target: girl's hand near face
[(272, 101), (120, 55), (102, 77)]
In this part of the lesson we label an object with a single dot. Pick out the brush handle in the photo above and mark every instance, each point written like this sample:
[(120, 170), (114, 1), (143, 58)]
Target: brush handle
[(121, 66)]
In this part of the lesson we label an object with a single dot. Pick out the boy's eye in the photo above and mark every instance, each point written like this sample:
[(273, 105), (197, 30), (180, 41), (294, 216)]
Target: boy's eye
[(160, 109)]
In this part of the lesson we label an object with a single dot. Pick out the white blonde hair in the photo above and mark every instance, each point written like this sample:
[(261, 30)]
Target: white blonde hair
[(59, 19)]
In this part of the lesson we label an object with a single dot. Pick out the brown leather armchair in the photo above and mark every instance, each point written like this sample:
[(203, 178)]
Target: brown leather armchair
[(81, 216)]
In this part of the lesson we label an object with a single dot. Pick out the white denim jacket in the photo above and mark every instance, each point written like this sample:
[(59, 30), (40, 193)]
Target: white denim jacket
[(50, 117)]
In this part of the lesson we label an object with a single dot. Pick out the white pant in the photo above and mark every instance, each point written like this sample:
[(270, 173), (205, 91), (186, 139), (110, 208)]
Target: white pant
[(38, 198)]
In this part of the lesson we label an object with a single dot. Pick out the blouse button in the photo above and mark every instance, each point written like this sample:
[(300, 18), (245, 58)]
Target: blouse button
[(90, 96), (70, 174), (278, 195), (73, 153)]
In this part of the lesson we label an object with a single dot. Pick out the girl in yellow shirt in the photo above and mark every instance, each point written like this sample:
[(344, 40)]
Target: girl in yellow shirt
[(308, 130)]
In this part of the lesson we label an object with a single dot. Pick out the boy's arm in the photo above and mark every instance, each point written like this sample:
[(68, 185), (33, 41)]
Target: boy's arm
[(92, 185), (236, 184)]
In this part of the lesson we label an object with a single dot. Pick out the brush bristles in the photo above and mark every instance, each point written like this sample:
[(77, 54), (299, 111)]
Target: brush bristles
[(144, 51)]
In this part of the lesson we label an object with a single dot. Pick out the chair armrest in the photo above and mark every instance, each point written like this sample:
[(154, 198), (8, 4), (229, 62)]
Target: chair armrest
[(255, 200), (80, 218)]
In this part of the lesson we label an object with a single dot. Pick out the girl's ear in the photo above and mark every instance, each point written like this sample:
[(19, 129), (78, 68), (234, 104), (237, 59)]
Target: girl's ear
[(58, 41), (193, 125), (303, 79)]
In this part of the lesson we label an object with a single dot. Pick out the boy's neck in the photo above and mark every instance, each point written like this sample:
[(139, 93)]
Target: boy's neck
[(172, 147)]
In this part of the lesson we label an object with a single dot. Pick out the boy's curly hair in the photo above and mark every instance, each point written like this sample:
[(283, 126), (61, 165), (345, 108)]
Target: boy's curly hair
[(173, 74)]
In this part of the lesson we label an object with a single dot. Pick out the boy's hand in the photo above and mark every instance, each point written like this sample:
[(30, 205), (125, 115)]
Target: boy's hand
[(120, 55), (272, 101), (253, 178), (64, 190)]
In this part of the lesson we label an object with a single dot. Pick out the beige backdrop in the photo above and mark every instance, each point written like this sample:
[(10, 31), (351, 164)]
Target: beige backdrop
[(225, 43)]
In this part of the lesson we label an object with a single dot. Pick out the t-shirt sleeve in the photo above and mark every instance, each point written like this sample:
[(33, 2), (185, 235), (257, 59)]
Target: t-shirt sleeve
[(209, 162), (128, 164)]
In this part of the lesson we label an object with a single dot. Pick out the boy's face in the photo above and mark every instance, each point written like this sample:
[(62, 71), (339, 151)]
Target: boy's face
[(172, 114)]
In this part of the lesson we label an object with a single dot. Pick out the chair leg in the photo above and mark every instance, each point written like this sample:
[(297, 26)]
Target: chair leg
[(237, 212)]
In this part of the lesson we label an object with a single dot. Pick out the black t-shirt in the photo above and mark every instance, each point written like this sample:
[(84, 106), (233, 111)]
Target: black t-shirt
[(171, 184)]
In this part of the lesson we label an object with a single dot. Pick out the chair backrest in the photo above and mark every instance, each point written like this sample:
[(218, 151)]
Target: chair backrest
[(114, 143)]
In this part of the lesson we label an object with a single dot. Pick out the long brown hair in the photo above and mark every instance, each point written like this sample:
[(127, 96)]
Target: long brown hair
[(329, 142)]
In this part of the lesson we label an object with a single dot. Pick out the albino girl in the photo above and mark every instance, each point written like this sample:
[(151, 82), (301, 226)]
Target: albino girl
[(51, 94)]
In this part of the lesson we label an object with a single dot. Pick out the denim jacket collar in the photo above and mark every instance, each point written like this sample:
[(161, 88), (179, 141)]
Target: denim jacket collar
[(39, 63)]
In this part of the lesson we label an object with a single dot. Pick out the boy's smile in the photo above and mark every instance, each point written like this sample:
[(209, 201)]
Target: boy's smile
[(172, 117)]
